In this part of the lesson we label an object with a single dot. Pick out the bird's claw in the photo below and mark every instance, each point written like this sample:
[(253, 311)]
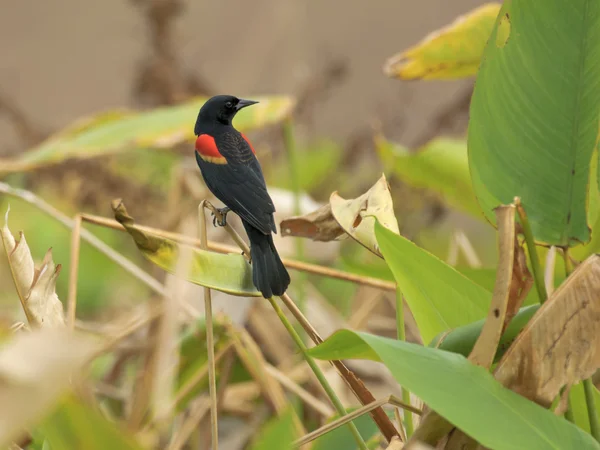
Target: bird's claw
[(223, 221)]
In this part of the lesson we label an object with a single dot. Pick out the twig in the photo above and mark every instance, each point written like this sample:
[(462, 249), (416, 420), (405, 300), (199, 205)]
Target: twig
[(392, 400), (210, 339), (222, 248), (73, 271), (538, 275), (317, 371), (198, 412)]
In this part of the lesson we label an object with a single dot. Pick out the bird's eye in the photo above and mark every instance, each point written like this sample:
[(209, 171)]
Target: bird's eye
[(229, 105)]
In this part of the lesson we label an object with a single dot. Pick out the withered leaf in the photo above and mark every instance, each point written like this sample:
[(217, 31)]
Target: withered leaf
[(357, 216), (561, 343), (319, 225)]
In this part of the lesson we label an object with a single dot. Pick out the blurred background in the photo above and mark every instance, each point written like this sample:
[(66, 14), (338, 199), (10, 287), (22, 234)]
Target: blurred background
[(64, 60)]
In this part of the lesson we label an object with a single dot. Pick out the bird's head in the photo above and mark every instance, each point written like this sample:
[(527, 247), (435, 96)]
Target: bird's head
[(220, 109)]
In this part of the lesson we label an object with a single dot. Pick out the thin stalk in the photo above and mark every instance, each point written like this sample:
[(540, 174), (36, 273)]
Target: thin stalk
[(224, 248), (590, 401), (317, 371), (292, 156), (588, 385), (210, 340), (538, 274), (401, 330), (73, 271)]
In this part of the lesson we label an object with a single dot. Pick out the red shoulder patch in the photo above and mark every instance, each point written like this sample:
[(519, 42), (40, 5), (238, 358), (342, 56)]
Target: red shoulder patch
[(206, 146), (249, 143)]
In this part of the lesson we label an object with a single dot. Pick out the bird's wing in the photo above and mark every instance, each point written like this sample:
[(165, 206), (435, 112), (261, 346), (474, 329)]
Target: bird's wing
[(242, 188)]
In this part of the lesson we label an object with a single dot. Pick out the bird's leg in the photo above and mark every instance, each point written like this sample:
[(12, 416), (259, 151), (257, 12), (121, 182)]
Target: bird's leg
[(223, 221)]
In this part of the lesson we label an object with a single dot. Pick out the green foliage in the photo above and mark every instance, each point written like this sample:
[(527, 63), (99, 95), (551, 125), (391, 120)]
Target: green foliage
[(440, 166), (277, 434), (466, 395), (119, 131), (439, 297), (75, 425), (534, 115)]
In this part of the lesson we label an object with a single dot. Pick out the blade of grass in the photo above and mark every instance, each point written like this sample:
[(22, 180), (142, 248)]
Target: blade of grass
[(391, 400), (401, 332)]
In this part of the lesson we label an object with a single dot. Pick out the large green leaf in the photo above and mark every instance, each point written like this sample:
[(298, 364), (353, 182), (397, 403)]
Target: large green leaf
[(466, 395), (117, 131), (439, 297), (534, 114), (440, 166)]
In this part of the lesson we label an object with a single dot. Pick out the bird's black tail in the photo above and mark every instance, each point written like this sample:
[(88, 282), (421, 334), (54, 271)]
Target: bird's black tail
[(269, 275)]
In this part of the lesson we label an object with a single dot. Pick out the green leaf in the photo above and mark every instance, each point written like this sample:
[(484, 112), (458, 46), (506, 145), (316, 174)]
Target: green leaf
[(278, 434), (466, 395), (440, 166), (118, 131), (74, 425), (226, 273), (486, 277), (535, 112), (439, 297)]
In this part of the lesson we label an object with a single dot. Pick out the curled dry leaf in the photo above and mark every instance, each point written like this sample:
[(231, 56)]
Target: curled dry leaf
[(357, 216), (35, 369), (319, 225), (36, 286), (561, 344), (354, 217)]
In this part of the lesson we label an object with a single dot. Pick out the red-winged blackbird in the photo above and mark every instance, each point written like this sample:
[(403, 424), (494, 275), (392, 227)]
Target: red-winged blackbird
[(233, 174)]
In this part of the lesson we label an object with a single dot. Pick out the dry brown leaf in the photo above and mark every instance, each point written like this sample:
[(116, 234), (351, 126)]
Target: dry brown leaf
[(561, 343), (319, 225), (357, 216), (37, 287), (35, 369)]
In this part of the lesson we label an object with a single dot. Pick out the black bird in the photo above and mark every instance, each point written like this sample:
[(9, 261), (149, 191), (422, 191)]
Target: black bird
[(233, 174)]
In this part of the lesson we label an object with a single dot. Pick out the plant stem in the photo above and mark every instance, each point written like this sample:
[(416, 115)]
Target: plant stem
[(401, 330), (590, 401), (317, 371), (210, 341), (538, 274), (292, 156)]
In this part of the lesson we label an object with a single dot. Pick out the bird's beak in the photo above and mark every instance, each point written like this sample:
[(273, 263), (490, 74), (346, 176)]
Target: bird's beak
[(243, 103)]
